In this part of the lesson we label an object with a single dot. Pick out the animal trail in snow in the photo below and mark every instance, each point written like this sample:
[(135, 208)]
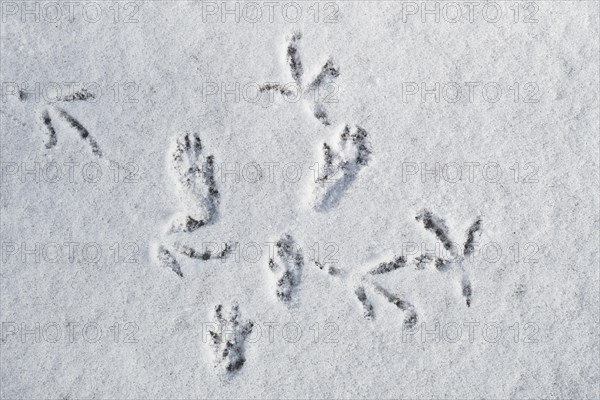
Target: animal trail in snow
[(293, 58)]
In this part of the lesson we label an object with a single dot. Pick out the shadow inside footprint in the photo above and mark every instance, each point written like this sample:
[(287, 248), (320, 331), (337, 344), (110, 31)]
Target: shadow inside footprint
[(341, 165)]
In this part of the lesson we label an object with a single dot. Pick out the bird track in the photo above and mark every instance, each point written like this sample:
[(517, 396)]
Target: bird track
[(433, 224), (321, 84), (438, 227), (48, 124)]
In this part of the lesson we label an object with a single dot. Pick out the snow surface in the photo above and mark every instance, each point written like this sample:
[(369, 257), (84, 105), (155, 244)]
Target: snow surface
[(533, 276)]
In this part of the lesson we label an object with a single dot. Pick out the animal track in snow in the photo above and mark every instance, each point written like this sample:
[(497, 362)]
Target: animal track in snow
[(438, 226), (205, 255), (195, 177), (48, 123), (287, 268), (228, 341), (331, 270), (340, 166), (342, 161), (293, 57), (410, 313), (80, 95), (194, 174), (49, 126), (366, 282), (166, 257), (83, 133), (166, 260), (367, 306), (52, 140), (314, 89), (422, 261), (384, 267)]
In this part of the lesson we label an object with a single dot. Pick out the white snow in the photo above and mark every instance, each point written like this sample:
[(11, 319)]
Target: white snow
[(160, 69)]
